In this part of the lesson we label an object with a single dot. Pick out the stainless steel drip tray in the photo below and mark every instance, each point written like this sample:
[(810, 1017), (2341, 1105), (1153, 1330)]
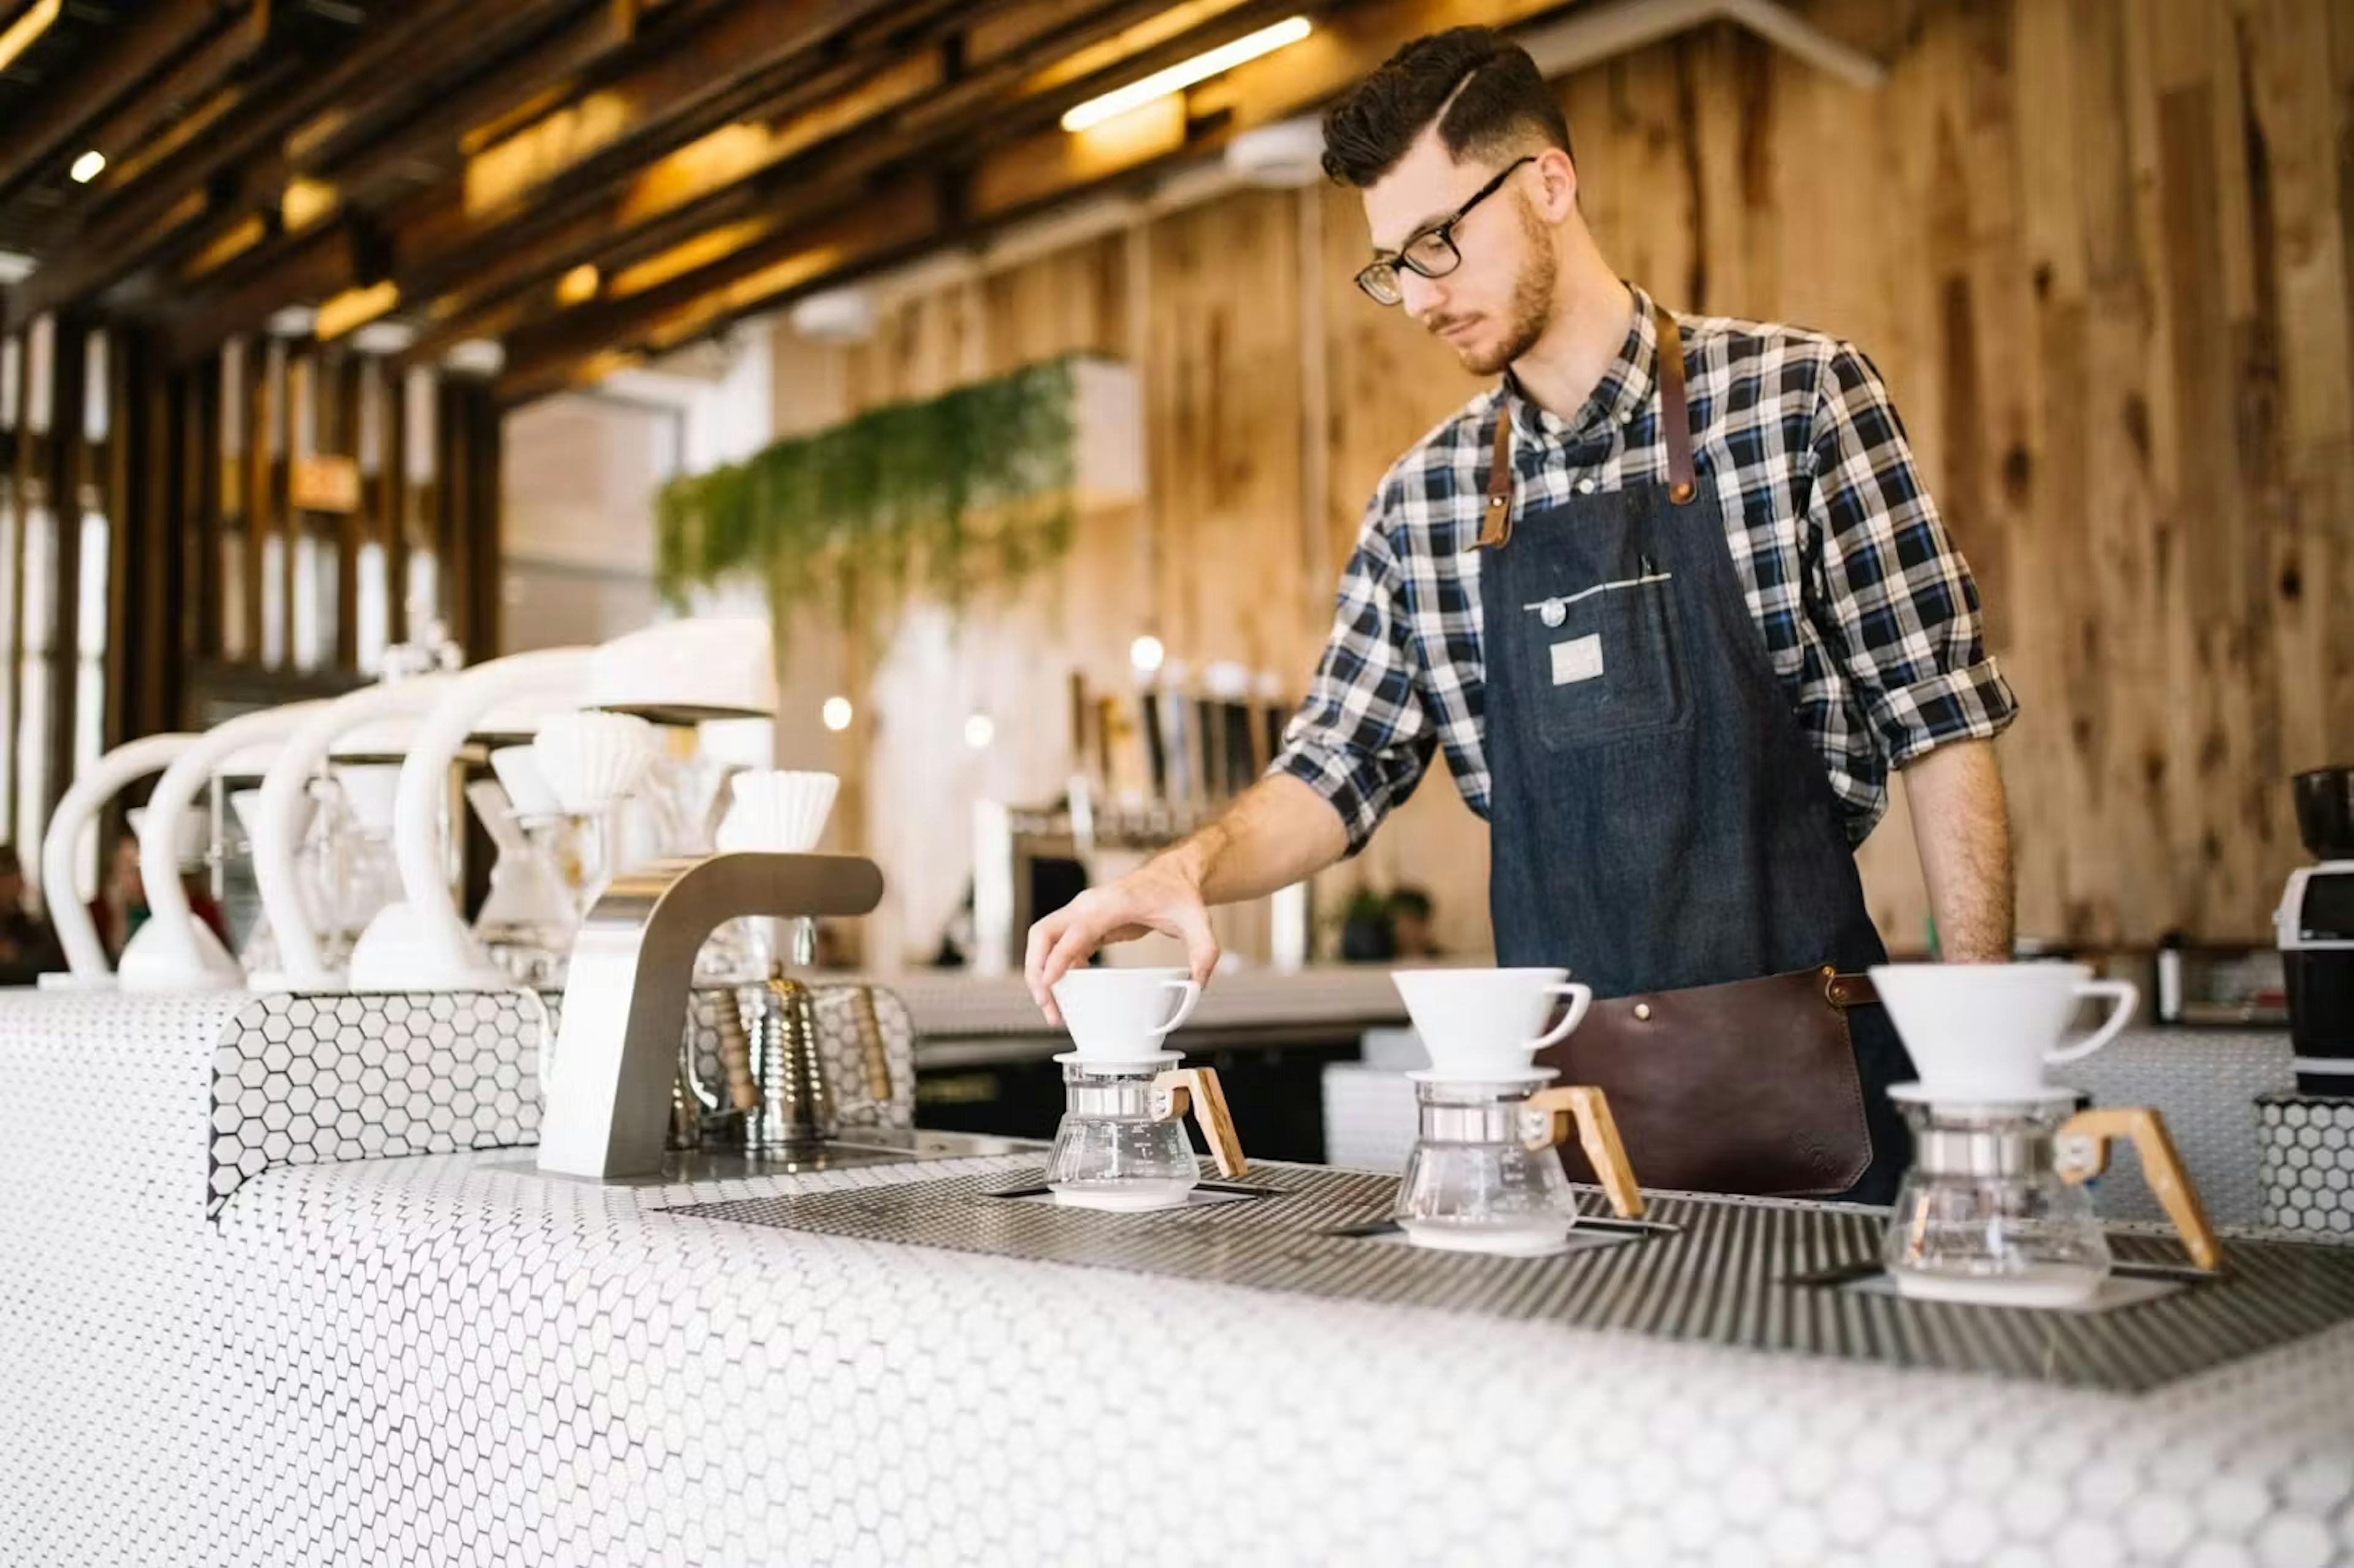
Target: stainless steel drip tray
[(1725, 1272), (861, 1145)]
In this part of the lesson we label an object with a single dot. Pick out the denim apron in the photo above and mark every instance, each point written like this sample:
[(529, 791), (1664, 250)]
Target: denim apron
[(1659, 819)]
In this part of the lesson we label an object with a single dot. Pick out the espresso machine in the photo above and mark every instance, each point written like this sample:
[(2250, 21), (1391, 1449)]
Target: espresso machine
[(2314, 926)]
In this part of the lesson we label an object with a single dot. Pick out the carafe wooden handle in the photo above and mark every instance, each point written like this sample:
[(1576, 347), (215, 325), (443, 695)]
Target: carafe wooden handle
[(1197, 1088), (2090, 1132), (1597, 1134)]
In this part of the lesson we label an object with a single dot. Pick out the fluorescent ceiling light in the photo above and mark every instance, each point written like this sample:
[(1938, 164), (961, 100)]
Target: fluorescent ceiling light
[(88, 167), (15, 267), (291, 320), (476, 357), (1177, 77), (19, 35), (384, 337)]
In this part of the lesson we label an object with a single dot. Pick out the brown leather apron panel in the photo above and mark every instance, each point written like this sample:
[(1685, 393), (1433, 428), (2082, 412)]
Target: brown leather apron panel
[(1750, 1087)]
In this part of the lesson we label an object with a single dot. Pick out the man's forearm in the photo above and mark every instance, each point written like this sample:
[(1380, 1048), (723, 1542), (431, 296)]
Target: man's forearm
[(1276, 833), (1962, 829)]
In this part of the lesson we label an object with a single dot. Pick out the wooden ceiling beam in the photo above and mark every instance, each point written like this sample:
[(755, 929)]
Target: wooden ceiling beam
[(544, 171), (118, 238), (535, 52), (828, 147), (691, 86), (671, 201), (168, 31), (894, 224), (1077, 166)]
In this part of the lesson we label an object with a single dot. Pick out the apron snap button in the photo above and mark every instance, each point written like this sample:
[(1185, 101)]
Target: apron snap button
[(1585, 487), (1552, 612), (1642, 1012)]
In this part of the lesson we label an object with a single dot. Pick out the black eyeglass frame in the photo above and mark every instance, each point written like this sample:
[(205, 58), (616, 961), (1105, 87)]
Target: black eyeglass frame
[(1377, 279)]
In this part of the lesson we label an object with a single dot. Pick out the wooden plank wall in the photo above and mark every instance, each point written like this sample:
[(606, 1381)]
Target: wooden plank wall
[(2102, 251)]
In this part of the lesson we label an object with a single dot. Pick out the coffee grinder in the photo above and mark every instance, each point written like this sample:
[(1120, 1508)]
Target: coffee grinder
[(2315, 926)]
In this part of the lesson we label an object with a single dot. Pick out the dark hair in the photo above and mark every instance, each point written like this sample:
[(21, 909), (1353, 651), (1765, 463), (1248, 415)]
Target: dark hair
[(1411, 901), (1487, 95)]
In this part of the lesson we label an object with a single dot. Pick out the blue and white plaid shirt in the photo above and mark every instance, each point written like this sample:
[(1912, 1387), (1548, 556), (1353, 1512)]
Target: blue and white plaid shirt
[(1866, 609)]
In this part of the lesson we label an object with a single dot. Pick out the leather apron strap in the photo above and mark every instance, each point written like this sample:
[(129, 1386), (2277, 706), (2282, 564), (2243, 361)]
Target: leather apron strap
[(1675, 428)]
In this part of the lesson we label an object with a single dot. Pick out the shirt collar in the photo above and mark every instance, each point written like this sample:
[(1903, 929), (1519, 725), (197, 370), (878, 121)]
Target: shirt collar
[(1621, 394)]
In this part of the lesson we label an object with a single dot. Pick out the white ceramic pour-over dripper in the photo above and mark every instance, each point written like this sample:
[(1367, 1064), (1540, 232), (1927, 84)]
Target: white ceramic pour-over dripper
[(86, 964), (1984, 1034), (1120, 1017), (1486, 1025)]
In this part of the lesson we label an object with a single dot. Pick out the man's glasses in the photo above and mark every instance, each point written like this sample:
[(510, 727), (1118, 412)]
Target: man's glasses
[(1432, 252)]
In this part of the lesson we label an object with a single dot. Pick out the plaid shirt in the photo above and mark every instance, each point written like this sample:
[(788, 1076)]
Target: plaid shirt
[(1868, 612)]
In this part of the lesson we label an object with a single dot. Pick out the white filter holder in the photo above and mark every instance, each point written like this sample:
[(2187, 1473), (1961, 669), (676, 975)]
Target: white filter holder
[(422, 943), (366, 720), (722, 667), (86, 967), (174, 950)]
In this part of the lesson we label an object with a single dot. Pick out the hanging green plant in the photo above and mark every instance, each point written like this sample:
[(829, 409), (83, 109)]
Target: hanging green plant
[(970, 489)]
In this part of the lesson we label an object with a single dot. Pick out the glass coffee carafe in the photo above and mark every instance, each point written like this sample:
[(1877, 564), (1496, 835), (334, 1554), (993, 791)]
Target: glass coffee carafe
[(1483, 1176), (1122, 1144), (1995, 1212)]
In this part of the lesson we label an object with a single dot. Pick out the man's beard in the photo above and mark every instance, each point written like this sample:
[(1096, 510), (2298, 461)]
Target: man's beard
[(1530, 308)]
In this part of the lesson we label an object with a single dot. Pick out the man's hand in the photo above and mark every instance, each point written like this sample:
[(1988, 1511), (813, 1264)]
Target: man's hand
[(1159, 895), (1277, 832)]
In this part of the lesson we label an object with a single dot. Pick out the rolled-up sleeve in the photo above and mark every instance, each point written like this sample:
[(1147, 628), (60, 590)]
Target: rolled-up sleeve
[(1362, 738), (1899, 608)]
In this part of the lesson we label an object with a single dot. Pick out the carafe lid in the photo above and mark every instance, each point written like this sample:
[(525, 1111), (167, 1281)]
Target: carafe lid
[(1529, 1079), (1149, 1062), (1920, 1094)]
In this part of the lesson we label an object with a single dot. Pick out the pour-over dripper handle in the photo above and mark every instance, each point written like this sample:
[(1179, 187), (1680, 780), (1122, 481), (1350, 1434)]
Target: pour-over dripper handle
[(1197, 1088), (1597, 1134), (2124, 995), (2084, 1150)]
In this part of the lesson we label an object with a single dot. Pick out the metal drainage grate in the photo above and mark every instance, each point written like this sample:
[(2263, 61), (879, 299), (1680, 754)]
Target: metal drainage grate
[(1729, 1274)]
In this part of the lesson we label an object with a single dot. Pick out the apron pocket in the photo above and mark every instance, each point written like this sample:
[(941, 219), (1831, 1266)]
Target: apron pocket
[(1601, 664)]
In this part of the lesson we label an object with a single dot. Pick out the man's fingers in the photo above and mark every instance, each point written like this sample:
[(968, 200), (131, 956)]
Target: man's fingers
[(1043, 937), (1069, 950), (1201, 943)]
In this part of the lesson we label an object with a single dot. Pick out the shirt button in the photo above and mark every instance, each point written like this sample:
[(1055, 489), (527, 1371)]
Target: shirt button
[(1552, 612), (1585, 487)]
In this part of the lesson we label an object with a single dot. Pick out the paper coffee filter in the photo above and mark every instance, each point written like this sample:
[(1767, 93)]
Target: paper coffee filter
[(518, 773), (777, 812), (593, 759), (246, 805), (370, 787)]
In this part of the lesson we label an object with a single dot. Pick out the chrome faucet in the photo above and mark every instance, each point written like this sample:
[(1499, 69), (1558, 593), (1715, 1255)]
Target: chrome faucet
[(616, 1058)]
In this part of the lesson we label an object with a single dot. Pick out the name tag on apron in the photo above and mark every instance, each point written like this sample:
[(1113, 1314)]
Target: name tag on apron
[(1579, 659)]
